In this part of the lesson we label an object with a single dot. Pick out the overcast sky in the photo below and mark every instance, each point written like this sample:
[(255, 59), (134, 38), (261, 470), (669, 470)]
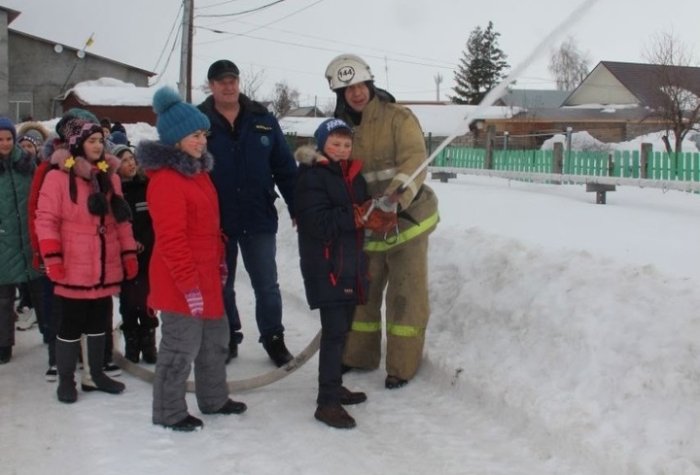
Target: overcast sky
[(407, 42)]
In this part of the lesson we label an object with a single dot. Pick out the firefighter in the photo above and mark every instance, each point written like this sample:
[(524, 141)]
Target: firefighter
[(389, 141)]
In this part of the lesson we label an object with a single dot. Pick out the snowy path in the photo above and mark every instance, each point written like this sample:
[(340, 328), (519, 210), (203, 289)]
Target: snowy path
[(549, 346), (416, 430)]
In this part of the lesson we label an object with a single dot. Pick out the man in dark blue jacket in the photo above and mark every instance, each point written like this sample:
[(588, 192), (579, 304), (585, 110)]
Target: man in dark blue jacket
[(251, 156)]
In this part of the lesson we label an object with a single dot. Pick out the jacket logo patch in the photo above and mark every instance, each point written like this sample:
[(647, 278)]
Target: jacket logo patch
[(348, 291), (265, 140), (262, 128)]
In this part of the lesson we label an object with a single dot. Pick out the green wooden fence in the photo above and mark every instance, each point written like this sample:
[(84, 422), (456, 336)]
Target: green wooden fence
[(625, 164)]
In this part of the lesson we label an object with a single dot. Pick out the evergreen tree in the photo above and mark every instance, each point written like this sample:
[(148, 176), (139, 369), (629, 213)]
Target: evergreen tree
[(482, 66)]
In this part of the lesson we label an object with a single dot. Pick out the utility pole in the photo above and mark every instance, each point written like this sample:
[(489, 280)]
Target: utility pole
[(185, 84)]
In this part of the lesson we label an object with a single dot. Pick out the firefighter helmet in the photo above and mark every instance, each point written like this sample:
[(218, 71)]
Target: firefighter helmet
[(346, 70)]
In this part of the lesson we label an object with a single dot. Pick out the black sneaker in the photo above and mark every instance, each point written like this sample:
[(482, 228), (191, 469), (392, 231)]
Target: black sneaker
[(231, 407), (348, 398), (277, 350), (110, 369), (188, 424), (51, 374), (393, 382)]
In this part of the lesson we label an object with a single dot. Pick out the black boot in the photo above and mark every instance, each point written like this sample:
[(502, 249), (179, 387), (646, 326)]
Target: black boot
[(132, 345), (100, 381), (5, 354), (275, 347), (66, 360), (234, 341), (148, 345)]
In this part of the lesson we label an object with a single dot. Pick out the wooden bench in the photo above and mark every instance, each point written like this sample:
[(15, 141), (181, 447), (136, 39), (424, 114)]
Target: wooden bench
[(600, 191)]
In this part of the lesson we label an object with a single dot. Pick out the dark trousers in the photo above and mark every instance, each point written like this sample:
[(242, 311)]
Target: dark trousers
[(335, 325), (83, 316), (132, 304), (7, 309), (258, 252)]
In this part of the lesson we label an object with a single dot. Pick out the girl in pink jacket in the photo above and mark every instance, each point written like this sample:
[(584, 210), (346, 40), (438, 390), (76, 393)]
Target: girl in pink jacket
[(85, 240)]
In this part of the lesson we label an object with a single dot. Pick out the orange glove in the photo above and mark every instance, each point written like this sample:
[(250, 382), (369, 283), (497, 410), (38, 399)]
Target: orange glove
[(359, 212), (381, 221)]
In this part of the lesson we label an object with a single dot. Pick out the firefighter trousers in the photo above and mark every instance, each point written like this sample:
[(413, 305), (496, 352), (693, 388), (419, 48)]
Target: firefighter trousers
[(403, 273)]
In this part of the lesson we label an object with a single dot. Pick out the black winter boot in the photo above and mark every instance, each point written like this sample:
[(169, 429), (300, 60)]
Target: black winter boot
[(132, 345), (234, 341), (66, 360), (277, 350), (5, 354), (148, 345), (100, 381)]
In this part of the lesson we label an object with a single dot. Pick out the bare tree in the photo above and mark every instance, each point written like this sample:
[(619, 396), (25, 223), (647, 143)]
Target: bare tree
[(568, 65), (251, 81), (678, 102), (285, 98)]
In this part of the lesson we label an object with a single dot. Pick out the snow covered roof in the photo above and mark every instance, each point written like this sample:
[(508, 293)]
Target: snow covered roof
[(439, 120), (111, 92)]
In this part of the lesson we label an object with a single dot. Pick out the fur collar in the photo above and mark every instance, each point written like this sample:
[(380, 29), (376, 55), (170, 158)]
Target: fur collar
[(20, 161), (81, 166), (154, 155)]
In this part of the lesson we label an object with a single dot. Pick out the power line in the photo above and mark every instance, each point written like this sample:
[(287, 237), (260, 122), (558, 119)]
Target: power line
[(165, 45), (219, 15), (382, 52), (318, 48), (216, 4), (170, 55)]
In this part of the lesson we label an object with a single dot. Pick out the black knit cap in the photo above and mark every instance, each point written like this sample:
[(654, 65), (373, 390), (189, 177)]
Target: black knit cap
[(222, 68)]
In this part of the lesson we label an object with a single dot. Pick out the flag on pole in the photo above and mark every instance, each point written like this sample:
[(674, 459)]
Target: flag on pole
[(90, 41)]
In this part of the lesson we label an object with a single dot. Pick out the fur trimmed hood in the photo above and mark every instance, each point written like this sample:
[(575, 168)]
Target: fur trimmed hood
[(308, 155), (153, 155)]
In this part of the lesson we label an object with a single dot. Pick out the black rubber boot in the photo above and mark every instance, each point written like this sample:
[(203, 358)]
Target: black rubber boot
[(132, 345), (66, 360), (100, 381), (148, 345)]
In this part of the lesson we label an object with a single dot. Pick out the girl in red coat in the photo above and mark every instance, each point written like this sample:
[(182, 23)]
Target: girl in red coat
[(187, 266), (85, 241)]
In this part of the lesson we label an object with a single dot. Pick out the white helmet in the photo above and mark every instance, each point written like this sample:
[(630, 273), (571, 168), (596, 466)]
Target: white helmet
[(346, 70)]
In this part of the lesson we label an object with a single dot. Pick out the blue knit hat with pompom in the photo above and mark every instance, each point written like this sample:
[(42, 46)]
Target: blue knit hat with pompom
[(176, 119)]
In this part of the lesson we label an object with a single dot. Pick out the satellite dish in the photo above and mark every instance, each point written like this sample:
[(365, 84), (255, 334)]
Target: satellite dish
[(58, 48), (81, 54)]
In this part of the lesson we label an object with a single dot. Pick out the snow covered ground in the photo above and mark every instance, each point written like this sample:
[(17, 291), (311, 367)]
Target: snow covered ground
[(564, 339)]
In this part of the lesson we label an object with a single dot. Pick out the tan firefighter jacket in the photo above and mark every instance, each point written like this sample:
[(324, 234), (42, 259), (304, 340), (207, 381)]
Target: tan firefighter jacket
[(389, 141)]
